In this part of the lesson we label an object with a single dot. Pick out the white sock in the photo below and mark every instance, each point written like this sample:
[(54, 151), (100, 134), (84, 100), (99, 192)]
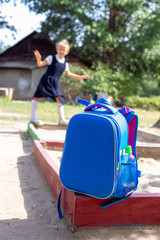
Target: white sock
[(33, 109), (60, 109)]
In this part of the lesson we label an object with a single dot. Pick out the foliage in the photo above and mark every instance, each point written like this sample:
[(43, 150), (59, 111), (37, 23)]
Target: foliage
[(99, 80), (72, 87), (123, 34), (143, 102), (3, 47), (4, 24), (116, 83), (100, 28)]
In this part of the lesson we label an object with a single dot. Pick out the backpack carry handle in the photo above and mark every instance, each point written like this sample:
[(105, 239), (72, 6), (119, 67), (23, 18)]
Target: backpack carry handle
[(100, 103), (84, 102), (110, 108)]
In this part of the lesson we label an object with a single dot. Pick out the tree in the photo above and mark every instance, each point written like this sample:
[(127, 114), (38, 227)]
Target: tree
[(4, 23), (123, 34)]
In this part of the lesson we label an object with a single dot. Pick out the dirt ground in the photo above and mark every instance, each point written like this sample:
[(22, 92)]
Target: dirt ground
[(27, 208)]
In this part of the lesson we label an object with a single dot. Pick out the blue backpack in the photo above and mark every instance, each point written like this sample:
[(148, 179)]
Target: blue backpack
[(92, 156)]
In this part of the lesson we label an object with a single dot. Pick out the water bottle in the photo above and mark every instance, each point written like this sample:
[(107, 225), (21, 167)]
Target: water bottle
[(132, 168), (127, 180), (128, 151)]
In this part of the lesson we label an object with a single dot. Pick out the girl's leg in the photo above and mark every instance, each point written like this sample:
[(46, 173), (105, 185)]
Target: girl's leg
[(34, 118), (60, 108)]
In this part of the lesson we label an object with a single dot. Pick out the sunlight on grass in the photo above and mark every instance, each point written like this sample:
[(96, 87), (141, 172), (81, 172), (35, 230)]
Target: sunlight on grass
[(147, 118), (47, 112)]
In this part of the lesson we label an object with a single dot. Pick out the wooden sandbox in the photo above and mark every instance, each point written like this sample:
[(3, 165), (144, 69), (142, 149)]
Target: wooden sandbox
[(83, 211)]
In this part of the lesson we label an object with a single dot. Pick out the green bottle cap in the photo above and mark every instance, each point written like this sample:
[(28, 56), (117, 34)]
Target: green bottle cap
[(128, 149)]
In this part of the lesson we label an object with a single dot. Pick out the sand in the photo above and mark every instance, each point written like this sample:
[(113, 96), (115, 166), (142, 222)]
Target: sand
[(149, 182), (27, 208)]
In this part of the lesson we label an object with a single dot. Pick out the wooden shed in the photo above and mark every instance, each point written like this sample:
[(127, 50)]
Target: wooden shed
[(18, 68)]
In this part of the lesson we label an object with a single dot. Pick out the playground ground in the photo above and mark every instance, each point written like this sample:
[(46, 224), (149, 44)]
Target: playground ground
[(27, 208)]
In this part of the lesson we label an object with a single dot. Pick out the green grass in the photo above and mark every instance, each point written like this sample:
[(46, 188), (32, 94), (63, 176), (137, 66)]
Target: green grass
[(147, 118), (47, 112)]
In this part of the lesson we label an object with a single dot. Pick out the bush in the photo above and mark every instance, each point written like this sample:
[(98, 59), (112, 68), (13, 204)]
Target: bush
[(99, 81), (71, 88), (143, 102)]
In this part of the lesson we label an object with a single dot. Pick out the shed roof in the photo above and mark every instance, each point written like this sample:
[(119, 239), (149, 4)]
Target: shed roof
[(23, 51)]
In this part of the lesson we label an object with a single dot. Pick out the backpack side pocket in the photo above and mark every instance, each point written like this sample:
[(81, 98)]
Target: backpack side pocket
[(127, 178)]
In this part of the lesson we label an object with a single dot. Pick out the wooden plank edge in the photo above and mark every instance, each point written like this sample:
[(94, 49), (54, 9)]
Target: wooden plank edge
[(48, 126), (50, 171), (148, 151), (34, 134), (149, 135)]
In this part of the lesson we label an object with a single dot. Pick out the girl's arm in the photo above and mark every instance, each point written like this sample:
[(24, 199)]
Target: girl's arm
[(38, 57), (76, 76)]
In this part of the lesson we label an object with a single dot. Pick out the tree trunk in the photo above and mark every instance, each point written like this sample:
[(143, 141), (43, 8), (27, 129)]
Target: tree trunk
[(112, 19), (107, 56), (157, 124)]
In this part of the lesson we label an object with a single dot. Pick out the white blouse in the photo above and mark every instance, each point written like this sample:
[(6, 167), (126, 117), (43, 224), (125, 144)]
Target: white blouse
[(50, 58)]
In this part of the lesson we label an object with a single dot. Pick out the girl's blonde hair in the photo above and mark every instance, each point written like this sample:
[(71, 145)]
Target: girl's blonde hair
[(63, 42)]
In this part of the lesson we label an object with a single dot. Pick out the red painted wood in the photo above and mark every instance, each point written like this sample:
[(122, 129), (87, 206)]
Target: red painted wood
[(84, 211), (138, 209), (54, 144), (48, 167), (148, 151), (50, 171)]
